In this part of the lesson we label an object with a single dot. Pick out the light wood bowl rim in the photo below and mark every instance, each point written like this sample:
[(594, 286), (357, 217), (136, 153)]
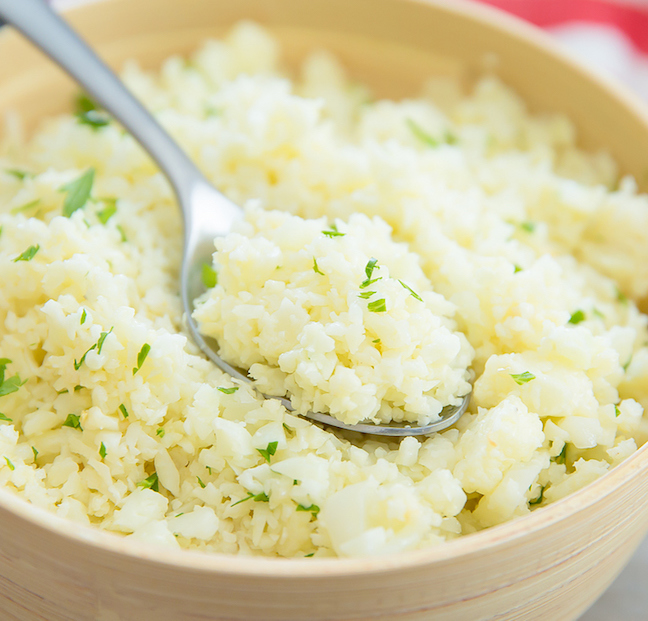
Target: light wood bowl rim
[(295, 568)]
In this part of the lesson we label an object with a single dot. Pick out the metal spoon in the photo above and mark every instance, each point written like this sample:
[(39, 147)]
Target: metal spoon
[(207, 213)]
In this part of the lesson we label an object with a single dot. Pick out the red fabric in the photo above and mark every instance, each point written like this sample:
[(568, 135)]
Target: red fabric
[(631, 19)]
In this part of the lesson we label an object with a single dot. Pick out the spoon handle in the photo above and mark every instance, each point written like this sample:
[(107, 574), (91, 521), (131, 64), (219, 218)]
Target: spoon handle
[(39, 23)]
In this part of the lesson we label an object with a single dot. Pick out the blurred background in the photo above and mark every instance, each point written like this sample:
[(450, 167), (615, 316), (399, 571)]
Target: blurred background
[(611, 37)]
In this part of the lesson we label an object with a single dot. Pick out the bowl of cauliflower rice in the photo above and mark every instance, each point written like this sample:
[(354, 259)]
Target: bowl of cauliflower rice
[(435, 202)]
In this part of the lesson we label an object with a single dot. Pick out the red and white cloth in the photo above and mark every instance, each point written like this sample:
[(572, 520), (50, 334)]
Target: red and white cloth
[(608, 35)]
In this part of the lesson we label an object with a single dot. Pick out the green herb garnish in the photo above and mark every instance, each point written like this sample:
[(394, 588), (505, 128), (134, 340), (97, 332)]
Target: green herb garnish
[(122, 233), (74, 421), (10, 464), (84, 316), (621, 297), (200, 482), (316, 268), (228, 391), (412, 292), (11, 384), (539, 499), (93, 118), (150, 483), (377, 341), (18, 174), (5, 418), (209, 276), (28, 255), (377, 306), (577, 317), (269, 451), (35, 452), (141, 357), (105, 214), (617, 411), (529, 227), (309, 555), (421, 134), (370, 267), (516, 268), (26, 206), (287, 428), (522, 378), (333, 232), (314, 509), (102, 338), (85, 104), (123, 410), (562, 456), (370, 281), (262, 497), (78, 192), (102, 451), (160, 432), (365, 295)]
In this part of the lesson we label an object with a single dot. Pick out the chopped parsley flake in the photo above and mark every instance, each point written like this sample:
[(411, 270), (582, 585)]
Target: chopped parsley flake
[(577, 317), (421, 134), (122, 233), (141, 357), (262, 497), (621, 297), (333, 232), (150, 483), (228, 391), (209, 276), (365, 295), (123, 410), (78, 387), (84, 316), (35, 452), (529, 227), (316, 268), (522, 378), (370, 267), (269, 451), (5, 418), (26, 206), (160, 432), (102, 451), (309, 555), (287, 428), (93, 118), (105, 214), (74, 421), (617, 411), (369, 281), (560, 458), (11, 466), (412, 292), (200, 482), (28, 255), (85, 104), (314, 509), (516, 268), (18, 174), (102, 338), (78, 192), (377, 341), (11, 384), (539, 499), (377, 306)]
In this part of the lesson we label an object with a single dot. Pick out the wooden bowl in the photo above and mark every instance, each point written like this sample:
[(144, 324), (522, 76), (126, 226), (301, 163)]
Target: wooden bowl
[(549, 565)]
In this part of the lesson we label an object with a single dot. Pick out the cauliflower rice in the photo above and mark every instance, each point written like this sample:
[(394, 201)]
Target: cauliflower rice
[(519, 255)]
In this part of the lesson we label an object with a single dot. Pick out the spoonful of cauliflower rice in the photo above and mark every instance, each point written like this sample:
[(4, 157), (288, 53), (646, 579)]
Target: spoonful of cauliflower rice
[(335, 319)]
